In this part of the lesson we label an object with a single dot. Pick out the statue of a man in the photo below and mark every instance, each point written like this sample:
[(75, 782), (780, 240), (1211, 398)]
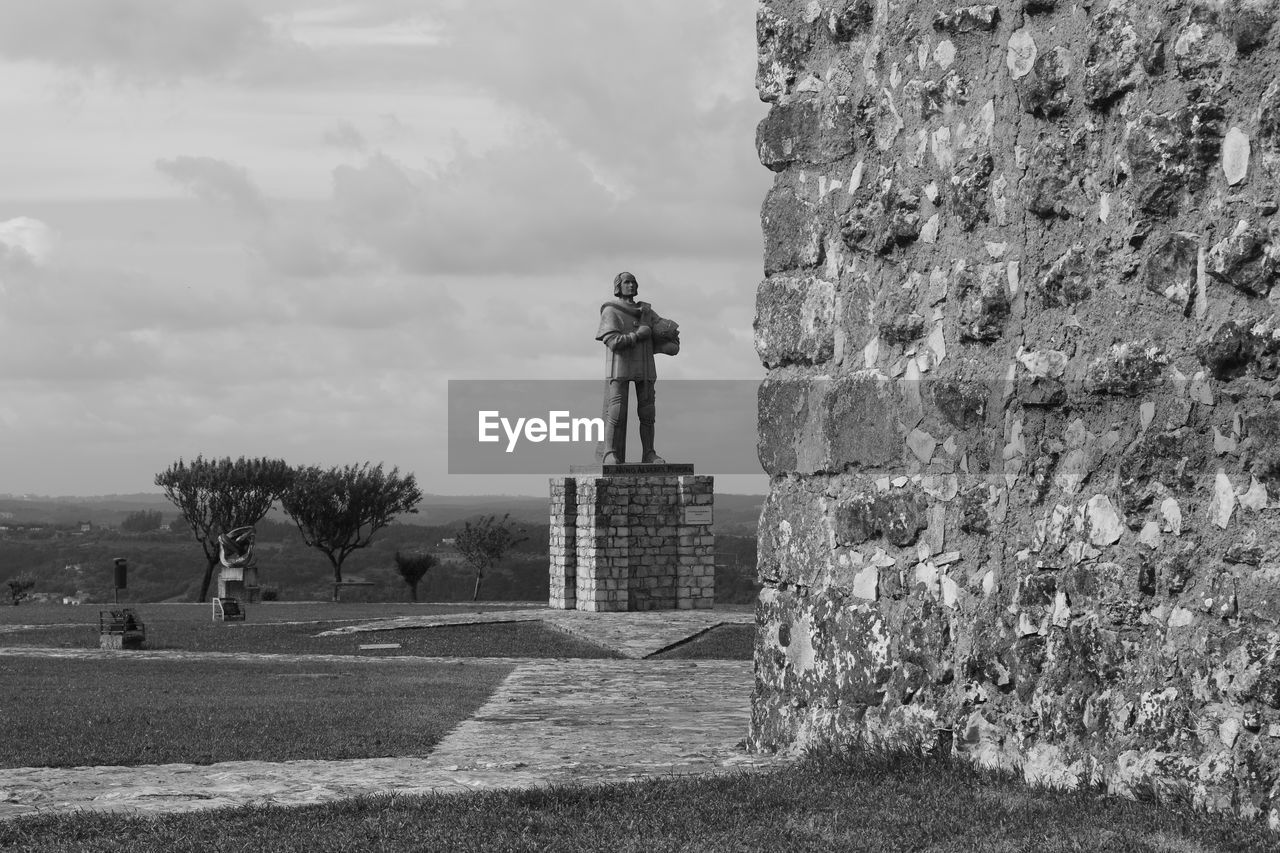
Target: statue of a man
[(631, 331)]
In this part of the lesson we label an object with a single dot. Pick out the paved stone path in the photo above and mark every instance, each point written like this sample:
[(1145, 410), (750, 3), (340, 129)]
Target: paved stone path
[(633, 635), (551, 721)]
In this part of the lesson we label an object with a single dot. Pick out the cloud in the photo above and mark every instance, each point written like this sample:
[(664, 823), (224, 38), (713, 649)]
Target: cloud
[(634, 133), (528, 208), (345, 135), (378, 25), (25, 245), (380, 131), (26, 240), (660, 91), (216, 181), (135, 39), (301, 246)]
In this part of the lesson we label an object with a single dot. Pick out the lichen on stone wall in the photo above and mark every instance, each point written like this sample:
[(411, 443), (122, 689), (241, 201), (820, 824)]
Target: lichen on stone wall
[(1022, 419)]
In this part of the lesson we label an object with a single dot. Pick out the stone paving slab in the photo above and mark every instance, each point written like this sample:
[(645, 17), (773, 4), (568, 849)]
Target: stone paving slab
[(633, 635), (610, 720), (549, 722)]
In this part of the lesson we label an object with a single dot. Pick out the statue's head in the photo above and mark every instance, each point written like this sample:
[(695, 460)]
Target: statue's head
[(625, 281)]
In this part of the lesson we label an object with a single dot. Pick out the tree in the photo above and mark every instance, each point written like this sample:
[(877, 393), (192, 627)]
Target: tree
[(413, 567), (338, 511), (217, 495), (483, 544), (20, 588), (142, 521)]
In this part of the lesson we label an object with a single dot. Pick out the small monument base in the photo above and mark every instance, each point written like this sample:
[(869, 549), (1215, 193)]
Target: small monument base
[(120, 629), (120, 642), (623, 541)]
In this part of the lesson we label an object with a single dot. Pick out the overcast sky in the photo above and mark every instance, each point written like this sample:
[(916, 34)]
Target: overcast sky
[(279, 227)]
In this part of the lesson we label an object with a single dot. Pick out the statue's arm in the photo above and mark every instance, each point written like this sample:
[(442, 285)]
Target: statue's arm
[(616, 339), (619, 340)]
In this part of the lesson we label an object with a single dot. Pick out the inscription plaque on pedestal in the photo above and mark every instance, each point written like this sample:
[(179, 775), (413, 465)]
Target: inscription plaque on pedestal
[(697, 515)]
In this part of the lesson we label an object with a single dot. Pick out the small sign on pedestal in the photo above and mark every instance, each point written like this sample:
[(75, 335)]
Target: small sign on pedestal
[(697, 515)]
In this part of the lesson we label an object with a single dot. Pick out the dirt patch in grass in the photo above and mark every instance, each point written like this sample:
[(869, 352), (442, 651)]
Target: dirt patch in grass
[(59, 712), (723, 642), (876, 806)]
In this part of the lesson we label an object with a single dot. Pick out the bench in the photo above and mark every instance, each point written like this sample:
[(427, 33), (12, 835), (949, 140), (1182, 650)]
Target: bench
[(120, 629), (227, 610), (338, 586)]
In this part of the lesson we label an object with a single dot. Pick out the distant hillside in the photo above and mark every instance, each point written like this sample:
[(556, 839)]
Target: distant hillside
[(734, 514), (102, 510)]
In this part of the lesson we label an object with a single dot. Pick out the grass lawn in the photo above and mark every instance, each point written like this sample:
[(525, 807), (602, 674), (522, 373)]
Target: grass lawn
[(493, 639), (862, 804), (724, 642), (265, 612), (121, 711), (290, 628)]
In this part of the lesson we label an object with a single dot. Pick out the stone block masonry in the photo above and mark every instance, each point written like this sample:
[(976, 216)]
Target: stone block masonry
[(1021, 416), (564, 544), (632, 542)]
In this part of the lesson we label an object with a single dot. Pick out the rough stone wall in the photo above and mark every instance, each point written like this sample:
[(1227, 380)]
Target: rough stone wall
[(621, 543), (1020, 416)]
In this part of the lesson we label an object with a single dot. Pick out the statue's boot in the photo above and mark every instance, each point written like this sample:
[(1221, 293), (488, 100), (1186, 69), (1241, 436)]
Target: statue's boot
[(615, 444), (646, 442)]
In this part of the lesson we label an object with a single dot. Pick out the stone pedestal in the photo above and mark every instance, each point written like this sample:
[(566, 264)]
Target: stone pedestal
[(237, 582), (632, 537)]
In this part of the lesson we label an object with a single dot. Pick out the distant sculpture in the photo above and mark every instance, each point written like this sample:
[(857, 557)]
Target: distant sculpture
[(239, 573), (632, 331), (235, 547)]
